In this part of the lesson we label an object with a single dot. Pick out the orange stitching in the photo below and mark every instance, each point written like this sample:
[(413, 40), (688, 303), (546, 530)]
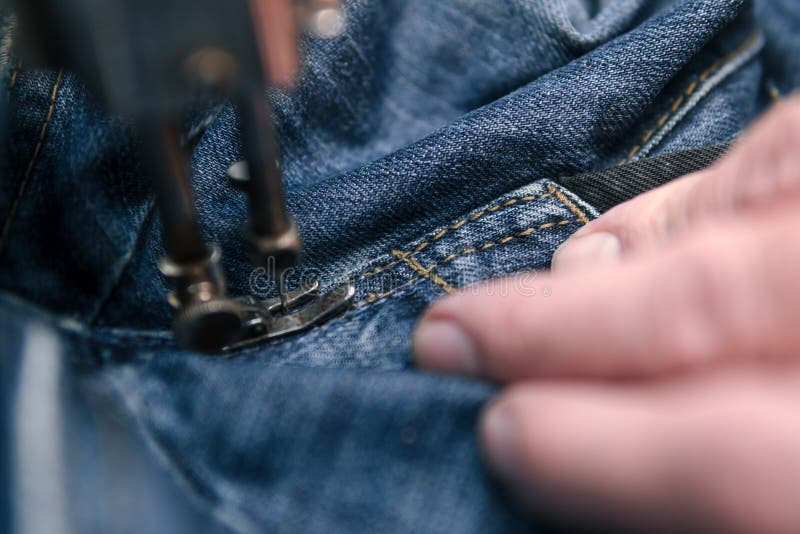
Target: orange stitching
[(428, 273), (774, 94), (403, 256), (375, 297), (634, 151), (502, 241), (372, 298), (689, 91), (472, 218), (12, 82), (29, 171), (378, 270), (569, 205)]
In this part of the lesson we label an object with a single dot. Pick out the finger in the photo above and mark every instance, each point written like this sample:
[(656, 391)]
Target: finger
[(728, 292), (277, 38), (716, 454), (762, 169)]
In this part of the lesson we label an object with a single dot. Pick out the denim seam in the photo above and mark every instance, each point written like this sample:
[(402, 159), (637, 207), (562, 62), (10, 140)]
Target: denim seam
[(715, 80), (373, 297), (12, 82), (502, 241), (199, 130), (472, 218), (29, 171), (127, 258), (323, 331), (568, 204), (109, 336), (357, 308), (427, 273), (689, 91), (360, 307), (123, 266), (773, 91), (354, 312)]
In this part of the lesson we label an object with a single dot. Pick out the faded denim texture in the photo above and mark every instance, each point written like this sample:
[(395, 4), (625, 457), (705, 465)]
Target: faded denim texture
[(422, 153)]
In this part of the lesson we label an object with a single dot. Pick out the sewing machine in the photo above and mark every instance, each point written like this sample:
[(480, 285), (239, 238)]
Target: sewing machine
[(151, 61)]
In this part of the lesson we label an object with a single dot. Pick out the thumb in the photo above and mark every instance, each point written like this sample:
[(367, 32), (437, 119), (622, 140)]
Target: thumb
[(727, 292), (762, 169)]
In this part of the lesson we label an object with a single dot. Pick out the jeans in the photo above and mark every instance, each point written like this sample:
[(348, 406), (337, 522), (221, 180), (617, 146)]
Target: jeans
[(424, 150)]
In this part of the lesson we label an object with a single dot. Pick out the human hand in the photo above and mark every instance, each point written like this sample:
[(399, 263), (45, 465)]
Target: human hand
[(699, 275)]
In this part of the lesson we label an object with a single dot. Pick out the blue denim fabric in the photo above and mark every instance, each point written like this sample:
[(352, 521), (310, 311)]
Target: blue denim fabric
[(421, 153)]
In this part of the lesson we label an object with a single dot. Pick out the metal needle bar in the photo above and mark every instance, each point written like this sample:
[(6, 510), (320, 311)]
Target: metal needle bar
[(268, 216), (166, 162)]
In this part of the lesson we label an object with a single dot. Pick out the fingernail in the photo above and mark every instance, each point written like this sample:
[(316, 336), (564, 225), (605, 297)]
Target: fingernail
[(501, 441), (594, 249), (443, 346)]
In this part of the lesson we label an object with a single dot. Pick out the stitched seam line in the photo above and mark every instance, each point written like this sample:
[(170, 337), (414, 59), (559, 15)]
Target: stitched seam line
[(428, 273), (123, 267), (773, 92), (472, 218), (12, 83), (372, 298), (128, 257), (688, 92), (502, 241), (29, 171), (375, 297), (201, 128), (568, 204), (702, 92)]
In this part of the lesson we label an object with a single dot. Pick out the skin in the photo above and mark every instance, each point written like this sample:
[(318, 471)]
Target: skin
[(658, 388)]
